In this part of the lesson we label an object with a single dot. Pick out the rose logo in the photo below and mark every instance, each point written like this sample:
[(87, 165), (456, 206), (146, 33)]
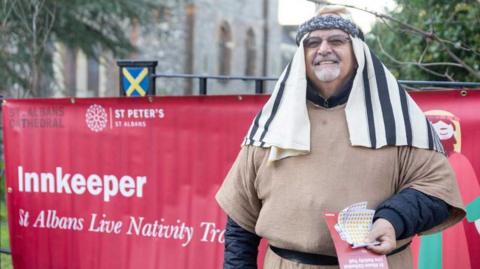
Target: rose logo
[(96, 118)]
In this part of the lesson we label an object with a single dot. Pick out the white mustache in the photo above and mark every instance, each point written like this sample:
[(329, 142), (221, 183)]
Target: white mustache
[(318, 60)]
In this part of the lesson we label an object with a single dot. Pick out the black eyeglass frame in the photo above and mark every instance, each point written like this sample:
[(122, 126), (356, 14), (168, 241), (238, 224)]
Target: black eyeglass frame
[(333, 41)]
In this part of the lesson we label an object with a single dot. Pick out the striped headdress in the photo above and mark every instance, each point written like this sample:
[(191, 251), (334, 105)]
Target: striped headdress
[(379, 111)]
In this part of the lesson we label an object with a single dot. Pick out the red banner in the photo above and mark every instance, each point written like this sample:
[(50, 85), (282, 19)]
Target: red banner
[(120, 183), (130, 182), (454, 115)]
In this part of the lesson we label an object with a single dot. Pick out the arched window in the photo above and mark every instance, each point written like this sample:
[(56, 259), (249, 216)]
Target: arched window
[(250, 53), (93, 76), (225, 46), (70, 71)]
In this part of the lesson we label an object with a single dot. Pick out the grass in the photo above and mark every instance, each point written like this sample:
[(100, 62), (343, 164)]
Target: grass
[(5, 260)]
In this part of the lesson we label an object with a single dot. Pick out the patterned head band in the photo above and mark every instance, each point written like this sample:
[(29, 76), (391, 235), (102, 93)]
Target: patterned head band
[(328, 22)]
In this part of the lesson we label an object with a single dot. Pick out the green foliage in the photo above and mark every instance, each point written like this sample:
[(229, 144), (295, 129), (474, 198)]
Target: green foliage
[(29, 29), (454, 21), (5, 260), (3, 216), (94, 26)]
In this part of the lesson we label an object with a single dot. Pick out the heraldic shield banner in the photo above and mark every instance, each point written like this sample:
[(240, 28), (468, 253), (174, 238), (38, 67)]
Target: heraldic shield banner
[(130, 182)]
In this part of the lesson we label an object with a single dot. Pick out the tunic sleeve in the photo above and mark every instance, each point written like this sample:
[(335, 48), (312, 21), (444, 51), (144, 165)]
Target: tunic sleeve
[(237, 195), (429, 172)]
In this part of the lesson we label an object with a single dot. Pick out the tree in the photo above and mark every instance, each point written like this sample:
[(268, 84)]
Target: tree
[(428, 39), (29, 28), (447, 47)]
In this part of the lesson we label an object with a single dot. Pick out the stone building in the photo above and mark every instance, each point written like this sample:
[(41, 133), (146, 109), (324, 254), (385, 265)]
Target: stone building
[(203, 37)]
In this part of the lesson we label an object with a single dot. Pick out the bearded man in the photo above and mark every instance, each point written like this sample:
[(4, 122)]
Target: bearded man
[(337, 130)]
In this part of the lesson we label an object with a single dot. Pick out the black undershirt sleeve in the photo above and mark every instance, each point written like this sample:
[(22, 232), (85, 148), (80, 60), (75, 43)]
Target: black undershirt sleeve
[(411, 212), (241, 247)]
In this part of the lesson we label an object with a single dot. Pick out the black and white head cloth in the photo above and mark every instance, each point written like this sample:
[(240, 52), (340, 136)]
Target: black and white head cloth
[(379, 111)]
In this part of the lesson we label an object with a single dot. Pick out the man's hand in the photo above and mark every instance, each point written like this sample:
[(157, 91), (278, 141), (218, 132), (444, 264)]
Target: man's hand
[(383, 232)]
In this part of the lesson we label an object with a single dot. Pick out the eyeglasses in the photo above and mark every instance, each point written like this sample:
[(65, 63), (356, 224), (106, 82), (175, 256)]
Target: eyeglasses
[(333, 41)]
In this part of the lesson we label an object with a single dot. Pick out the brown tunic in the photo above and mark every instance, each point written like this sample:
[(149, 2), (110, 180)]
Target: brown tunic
[(283, 201)]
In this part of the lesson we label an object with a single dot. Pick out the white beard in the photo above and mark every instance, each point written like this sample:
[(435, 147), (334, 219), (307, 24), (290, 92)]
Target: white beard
[(327, 73)]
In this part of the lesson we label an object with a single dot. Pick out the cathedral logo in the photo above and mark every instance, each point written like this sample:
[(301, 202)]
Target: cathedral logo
[(96, 118)]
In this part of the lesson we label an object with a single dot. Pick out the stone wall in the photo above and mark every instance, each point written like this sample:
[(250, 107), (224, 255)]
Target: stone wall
[(184, 38), (240, 16)]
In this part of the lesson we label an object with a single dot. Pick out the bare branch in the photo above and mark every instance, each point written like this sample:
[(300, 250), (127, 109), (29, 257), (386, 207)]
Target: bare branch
[(423, 53), (436, 64), (458, 60), (462, 46), (410, 88), (422, 66), (447, 75), (8, 10), (19, 10), (429, 35), (380, 15), (387, 24), (49, 23), (434, 73)]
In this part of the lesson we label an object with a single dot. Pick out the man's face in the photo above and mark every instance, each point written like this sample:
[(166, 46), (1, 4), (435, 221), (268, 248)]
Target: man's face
[(444, 130), (329, 55)]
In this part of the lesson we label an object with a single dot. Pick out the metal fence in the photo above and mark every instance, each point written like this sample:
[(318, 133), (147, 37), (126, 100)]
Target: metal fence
[(137, 78), (260, 82)]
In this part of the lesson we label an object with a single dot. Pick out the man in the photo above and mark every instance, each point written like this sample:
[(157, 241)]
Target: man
[(337, 130)]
